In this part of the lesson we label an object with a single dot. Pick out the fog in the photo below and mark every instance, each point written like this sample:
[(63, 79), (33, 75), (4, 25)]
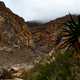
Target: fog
[(43, 10)]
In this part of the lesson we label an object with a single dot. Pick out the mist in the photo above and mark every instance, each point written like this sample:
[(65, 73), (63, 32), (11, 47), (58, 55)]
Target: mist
[(43, 10)]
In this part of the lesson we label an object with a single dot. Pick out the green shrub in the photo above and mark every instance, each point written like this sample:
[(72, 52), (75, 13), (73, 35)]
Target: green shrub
[(63, 68)]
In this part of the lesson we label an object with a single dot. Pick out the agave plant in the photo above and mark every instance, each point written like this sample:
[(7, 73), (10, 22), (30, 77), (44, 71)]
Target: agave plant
[(71, 34)]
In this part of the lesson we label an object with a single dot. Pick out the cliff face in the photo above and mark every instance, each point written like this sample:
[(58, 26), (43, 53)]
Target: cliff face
[(17, 36), (13, 29), (47, 35)]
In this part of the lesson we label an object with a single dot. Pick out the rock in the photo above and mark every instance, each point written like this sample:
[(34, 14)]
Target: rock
[(13, 29), (14, 79), (15, 38)]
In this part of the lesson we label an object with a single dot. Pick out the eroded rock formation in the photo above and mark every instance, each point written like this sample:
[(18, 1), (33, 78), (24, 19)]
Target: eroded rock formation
[(13, 29)]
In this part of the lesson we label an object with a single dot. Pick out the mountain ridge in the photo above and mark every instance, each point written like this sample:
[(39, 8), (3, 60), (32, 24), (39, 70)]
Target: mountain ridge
[(23, 42)]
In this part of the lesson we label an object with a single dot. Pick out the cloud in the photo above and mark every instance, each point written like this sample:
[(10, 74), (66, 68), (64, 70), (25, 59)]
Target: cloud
[(43, 10)]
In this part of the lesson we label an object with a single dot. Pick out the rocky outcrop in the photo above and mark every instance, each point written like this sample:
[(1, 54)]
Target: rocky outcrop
[(15, 38), (46, 36), (13, 30), (16, 42)]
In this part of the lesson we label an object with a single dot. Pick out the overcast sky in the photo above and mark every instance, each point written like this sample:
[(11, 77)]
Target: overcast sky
[(43, 10)]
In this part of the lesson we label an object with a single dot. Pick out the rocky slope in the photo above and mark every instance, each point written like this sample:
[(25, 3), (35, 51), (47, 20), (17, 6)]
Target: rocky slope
[(47, 35), (15, 38), (22, 42), (12, 28)]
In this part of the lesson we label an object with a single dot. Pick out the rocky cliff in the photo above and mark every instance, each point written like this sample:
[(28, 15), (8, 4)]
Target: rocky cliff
[(15, 38), (22, 42), (13, 29), (46, 36)]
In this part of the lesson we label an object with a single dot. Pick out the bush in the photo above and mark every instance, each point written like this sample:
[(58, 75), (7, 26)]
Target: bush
[(63, 68)]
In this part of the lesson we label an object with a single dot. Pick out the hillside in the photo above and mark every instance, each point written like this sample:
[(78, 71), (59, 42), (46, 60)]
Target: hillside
[(22, 42), (15, 38), (26, 48), (46, 35)]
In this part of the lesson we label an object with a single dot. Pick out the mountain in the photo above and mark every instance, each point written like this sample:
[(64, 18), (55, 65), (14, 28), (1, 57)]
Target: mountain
[(46, 35), (15, 38), (13, 29), (22, 42)]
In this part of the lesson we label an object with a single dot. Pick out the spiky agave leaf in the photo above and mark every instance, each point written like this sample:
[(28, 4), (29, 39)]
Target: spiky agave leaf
[(71, 34)]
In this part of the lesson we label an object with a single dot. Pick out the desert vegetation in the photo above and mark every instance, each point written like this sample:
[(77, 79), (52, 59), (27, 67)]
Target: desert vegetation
[(64, 64), (61, 64), (51, 50)]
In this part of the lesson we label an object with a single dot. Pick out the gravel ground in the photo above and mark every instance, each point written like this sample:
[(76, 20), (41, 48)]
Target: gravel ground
[(16, 56)]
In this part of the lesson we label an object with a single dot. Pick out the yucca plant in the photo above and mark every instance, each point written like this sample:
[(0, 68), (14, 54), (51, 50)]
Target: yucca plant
[(70, 39)]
